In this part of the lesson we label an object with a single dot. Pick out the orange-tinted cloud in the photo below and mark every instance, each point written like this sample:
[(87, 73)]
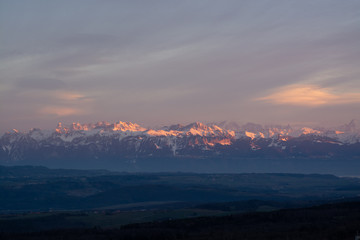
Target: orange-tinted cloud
[(69, 96), (309, 95), (60, 111)]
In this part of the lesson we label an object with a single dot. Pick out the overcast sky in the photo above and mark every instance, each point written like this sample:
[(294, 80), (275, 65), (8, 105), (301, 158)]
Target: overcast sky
[(162, 61)]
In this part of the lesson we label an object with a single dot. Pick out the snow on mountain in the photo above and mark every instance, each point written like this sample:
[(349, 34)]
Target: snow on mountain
[(347, 133), (128, 139)]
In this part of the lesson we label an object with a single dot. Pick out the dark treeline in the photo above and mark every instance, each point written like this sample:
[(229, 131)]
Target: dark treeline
[(331, 221)]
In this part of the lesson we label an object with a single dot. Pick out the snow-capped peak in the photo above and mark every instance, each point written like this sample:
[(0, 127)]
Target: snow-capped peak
[(128, 126), (347, 133)]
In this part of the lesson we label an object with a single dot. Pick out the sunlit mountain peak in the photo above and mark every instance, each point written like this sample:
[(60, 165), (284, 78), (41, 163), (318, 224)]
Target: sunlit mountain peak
[(128, 126), (306, 130), (196, 125), (15, 130)]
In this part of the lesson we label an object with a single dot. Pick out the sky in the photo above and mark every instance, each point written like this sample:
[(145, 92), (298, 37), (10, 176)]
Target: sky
[(164, 62)]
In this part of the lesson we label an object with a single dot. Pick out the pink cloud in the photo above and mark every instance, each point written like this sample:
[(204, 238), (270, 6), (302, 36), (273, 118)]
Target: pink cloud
[(309, 95)]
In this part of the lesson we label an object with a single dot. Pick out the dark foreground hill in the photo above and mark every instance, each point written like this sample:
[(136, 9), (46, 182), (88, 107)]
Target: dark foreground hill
[(332, 221), (41, 203)]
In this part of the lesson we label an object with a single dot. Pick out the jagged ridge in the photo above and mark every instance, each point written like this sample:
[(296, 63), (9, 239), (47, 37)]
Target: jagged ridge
[(126, 139)]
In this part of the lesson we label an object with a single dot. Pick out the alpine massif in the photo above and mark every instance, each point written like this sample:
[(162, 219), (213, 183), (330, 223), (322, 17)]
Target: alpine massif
[(126, 142)]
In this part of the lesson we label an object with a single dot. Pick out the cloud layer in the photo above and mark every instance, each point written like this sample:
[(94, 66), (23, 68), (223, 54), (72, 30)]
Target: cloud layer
[(162, 62)]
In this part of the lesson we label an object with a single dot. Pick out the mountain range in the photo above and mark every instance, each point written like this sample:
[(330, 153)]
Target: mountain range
[(126, 142)]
